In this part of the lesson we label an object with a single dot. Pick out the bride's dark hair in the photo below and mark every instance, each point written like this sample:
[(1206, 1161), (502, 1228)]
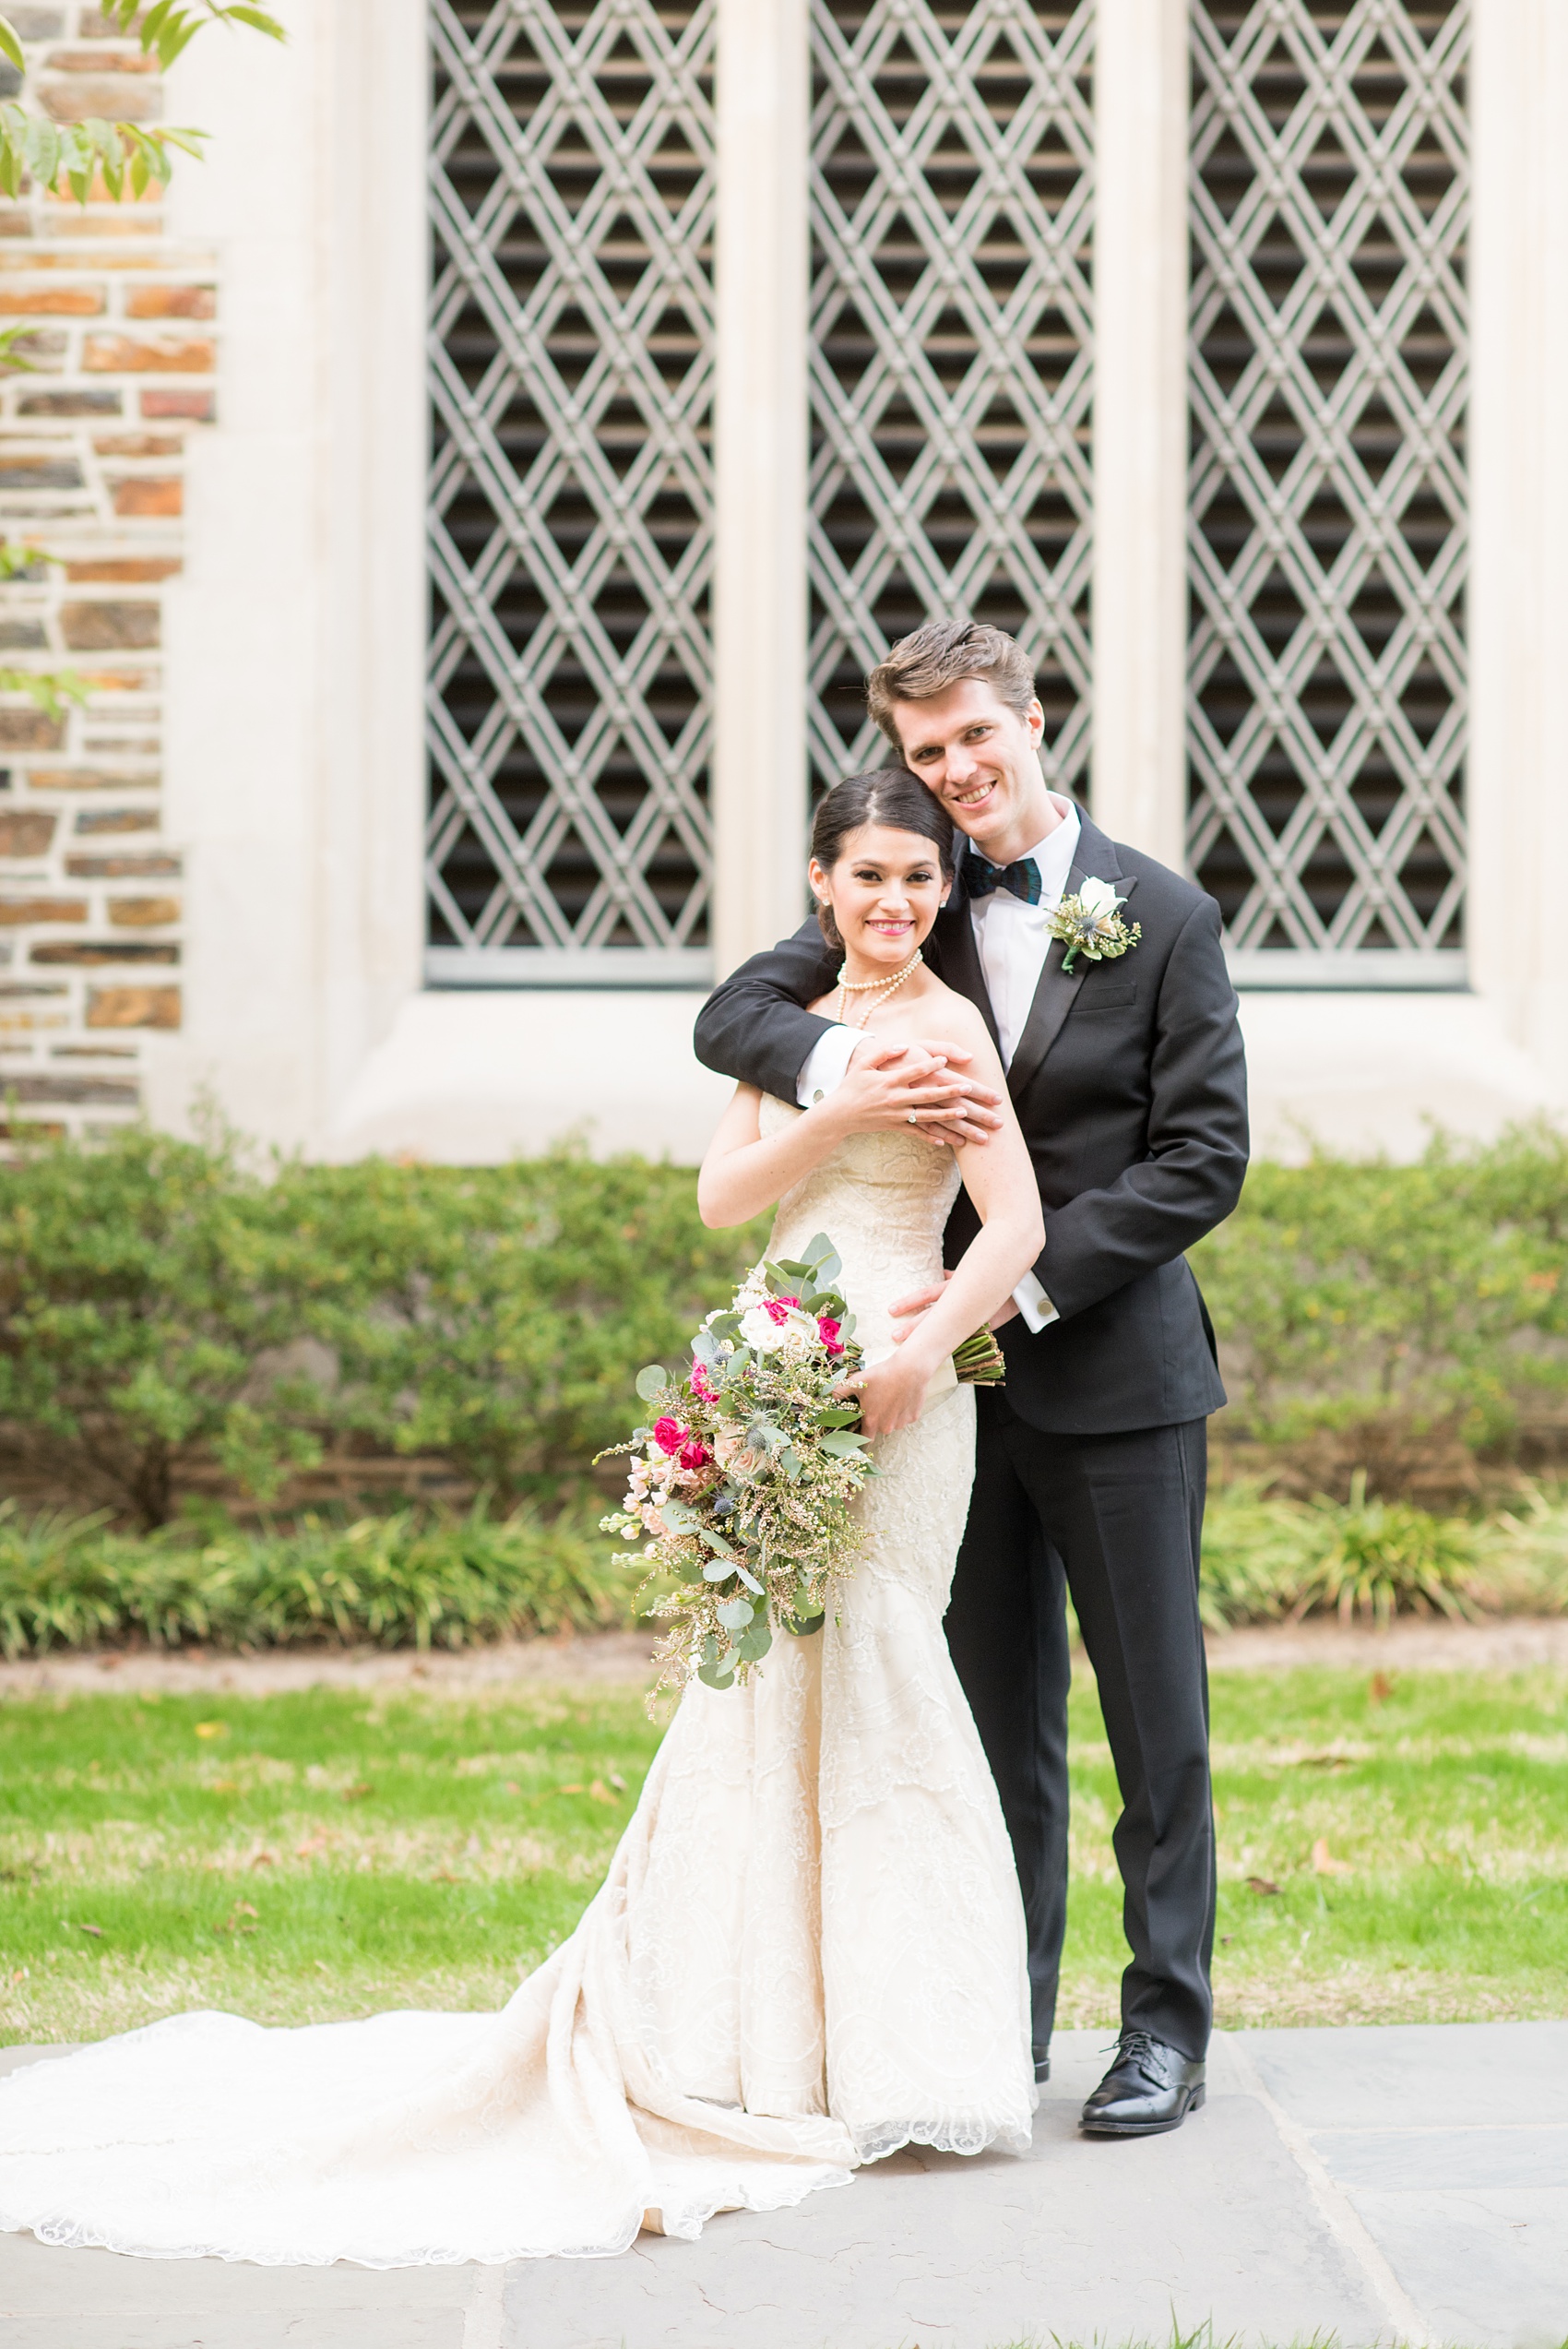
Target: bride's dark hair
[(889, 796)]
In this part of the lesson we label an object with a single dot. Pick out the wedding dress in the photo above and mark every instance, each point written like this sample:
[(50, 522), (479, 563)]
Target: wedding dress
[(808, 1952)]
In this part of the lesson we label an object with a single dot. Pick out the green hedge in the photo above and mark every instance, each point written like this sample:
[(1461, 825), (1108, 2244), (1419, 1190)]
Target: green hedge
[(161, 1303), (166, 1303), (1349, 1292), (397, 1581)]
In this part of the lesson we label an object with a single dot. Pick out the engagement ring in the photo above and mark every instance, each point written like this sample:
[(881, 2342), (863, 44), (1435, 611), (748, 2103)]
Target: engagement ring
[(913, 1118)]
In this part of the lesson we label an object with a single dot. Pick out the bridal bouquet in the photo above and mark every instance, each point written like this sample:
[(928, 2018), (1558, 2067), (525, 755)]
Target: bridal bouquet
[(743, 1479)]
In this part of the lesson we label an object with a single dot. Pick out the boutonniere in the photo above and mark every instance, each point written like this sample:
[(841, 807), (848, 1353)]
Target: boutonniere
[(1090, 925)]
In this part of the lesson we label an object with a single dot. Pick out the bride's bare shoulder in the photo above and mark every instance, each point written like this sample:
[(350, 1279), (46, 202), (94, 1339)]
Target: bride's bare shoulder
[(944, 1013)]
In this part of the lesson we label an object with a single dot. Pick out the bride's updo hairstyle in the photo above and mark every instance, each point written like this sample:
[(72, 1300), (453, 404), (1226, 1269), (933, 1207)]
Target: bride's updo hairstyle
[(889, 796)]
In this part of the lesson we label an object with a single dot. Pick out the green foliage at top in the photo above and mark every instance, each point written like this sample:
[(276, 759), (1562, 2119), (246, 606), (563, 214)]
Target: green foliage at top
[(129, 158), (1346, 1290)]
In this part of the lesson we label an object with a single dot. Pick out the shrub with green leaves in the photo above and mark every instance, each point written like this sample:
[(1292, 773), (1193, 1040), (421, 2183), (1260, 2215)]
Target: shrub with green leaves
[(1348, 1292), (142, 1287), (398, 1580)]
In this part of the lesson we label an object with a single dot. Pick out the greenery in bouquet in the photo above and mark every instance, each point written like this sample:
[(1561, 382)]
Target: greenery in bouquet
[(743, 1478)]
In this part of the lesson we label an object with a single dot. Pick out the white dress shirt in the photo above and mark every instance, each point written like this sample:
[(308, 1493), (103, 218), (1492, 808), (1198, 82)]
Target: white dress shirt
[(1012, 939)]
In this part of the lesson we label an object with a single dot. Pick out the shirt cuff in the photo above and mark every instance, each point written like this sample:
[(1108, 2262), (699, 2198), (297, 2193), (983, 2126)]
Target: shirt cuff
[(825, 1064), (1034, 1305)]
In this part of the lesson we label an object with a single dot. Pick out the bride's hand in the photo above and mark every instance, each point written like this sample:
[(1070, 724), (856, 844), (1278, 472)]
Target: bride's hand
[(921, 1086), (891, 1394)]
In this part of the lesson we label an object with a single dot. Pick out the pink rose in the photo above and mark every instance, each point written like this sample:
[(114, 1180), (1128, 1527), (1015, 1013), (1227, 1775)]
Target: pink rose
[(694, 1454), (777, 1308), (669, 1434), (827, 1331), (700, 1387)]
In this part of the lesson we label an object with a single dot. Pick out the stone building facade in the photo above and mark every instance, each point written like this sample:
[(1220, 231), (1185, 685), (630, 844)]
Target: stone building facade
[(469, 567)]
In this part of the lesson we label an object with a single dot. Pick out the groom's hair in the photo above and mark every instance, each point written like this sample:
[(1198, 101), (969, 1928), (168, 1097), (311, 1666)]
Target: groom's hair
[(941, 655)]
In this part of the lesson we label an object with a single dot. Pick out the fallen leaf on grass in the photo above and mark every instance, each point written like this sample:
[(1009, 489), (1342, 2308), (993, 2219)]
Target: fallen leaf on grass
[(96, 1931), (602, 1792), (617, 1781), (1380, 1687), (1263, 1888), (1324, 1761), (445, 1876), (234, 1921), (308, 1851), (212, 1729), (511, 1787), (356, 1793), (264, 1859), (225, 1786), (1324, 1862)]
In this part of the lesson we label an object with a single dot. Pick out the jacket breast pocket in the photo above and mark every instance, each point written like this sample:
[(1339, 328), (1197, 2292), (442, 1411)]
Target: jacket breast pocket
[(1111, 995)]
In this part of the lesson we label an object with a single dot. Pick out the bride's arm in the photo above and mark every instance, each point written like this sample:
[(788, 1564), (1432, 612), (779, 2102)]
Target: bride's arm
[(743, 1173), (1000, 1179)]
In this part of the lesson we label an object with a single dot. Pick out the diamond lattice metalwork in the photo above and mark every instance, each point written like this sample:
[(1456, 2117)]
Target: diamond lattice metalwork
[(571, 490), (952, 213), (1330, 200)]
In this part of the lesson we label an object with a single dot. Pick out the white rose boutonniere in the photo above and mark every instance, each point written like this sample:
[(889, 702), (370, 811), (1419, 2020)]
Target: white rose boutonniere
[(1089, 924)]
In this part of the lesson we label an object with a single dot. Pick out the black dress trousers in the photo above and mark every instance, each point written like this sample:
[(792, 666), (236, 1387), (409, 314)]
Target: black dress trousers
[(1119, 1517)]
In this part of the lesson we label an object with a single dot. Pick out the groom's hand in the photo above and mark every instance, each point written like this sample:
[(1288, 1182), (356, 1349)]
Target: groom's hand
[(922, 1086)]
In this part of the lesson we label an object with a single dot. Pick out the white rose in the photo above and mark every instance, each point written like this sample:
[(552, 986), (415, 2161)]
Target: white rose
[(760, 1331), (1099, 900)]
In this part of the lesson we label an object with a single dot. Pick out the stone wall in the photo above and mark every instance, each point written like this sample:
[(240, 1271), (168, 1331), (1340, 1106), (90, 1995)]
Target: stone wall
[(92, 443)]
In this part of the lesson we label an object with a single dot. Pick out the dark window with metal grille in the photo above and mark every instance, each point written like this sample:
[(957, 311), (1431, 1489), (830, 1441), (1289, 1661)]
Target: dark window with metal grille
[(571, 491), (951, 212), (1330, 200)]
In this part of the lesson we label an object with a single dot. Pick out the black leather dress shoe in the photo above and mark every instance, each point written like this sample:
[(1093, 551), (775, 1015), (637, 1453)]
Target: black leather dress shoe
[(1150, 2088), (1042, 2066)]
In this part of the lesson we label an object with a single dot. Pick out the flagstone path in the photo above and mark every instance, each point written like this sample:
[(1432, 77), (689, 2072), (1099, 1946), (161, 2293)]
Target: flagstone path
[(1406, 2184)]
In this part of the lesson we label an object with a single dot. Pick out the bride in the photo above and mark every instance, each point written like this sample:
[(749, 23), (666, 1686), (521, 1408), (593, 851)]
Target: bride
[(808, 1949)]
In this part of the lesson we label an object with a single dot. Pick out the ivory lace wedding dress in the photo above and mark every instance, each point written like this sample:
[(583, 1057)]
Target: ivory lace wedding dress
[(808, 1949)]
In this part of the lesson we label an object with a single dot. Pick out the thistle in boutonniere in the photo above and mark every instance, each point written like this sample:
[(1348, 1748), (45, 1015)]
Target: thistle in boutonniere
[(1090, 925)]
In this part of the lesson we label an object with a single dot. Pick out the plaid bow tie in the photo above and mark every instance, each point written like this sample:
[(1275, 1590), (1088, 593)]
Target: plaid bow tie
[(981, 877)]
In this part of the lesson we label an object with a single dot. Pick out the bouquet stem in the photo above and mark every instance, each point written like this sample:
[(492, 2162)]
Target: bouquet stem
[(980, 1361)]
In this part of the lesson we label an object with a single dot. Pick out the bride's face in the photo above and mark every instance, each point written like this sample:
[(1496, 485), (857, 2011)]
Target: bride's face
[(885, 889)]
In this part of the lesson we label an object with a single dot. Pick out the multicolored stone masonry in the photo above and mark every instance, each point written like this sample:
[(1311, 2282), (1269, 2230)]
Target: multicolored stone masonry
[(92, 443)]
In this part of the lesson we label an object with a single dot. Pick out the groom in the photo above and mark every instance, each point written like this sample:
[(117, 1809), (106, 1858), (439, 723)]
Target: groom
[(1128, 1080)]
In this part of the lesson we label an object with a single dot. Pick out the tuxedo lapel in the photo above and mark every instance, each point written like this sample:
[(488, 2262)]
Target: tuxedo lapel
[(1058, 989), (954, 933)]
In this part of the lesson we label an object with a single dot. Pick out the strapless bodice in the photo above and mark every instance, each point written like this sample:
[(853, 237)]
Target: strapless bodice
[(884, 1201)]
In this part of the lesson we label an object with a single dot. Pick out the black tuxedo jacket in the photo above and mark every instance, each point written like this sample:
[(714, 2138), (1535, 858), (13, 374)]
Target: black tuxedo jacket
[(1131, 1088)]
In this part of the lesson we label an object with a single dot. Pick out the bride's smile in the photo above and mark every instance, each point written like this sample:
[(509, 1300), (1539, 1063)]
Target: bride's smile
[(884, 890)]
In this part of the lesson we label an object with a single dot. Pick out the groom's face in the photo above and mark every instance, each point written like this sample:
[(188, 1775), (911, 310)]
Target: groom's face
[(980, 759)]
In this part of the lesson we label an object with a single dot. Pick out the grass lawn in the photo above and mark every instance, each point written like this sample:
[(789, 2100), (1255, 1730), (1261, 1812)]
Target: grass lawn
[(305, 1856)]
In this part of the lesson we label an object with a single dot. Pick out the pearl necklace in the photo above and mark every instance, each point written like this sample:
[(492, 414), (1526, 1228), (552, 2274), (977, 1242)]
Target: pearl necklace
[(878, 989)]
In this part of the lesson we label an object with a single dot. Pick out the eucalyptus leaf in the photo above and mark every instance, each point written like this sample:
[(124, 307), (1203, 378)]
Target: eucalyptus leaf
[(651, 1380), (713, 1676), (716, 1542), (719, 1569), (790, 1460), (749, 1579), (757, 1641), (735, 1613), (839, 1445)]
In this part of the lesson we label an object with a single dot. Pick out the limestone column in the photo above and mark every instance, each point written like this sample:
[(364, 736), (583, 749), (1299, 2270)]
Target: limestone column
[(1517, 916), (1140, 423), (760, 432)]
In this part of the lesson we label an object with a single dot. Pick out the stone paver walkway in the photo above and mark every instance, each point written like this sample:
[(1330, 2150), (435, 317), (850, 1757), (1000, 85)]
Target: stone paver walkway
[(1388, 2185)]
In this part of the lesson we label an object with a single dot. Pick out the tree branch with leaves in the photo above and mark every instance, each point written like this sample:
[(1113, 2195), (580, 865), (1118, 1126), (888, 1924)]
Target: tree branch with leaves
[(128, 157)]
